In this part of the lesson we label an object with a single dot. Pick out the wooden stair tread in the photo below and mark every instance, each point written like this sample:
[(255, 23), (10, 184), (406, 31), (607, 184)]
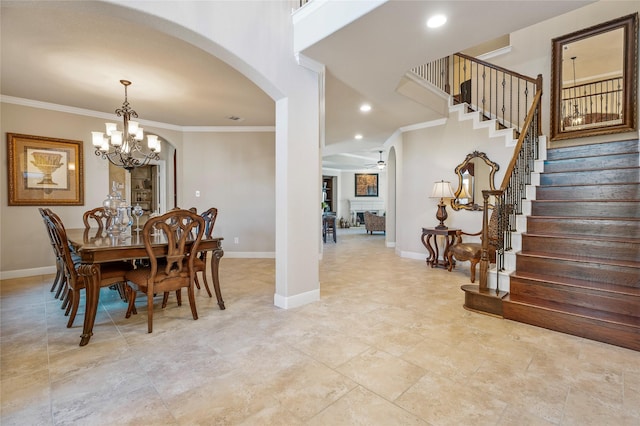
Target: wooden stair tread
[(630, 240), (583, 259), (604, 316), (589, 200), (578, 283), (578, 185), (552, 151), (634, 219), (595, 169)]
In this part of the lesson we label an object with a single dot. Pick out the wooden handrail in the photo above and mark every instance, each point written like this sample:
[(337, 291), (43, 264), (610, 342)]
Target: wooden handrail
[(497, 67), (527, 123)]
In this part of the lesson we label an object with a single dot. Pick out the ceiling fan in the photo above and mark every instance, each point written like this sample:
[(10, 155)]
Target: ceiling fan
[(380, 165)]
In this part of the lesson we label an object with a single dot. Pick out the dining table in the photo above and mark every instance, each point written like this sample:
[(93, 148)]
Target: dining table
[(96, 247)]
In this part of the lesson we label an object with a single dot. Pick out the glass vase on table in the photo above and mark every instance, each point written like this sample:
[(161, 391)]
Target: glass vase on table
[(138, 212)]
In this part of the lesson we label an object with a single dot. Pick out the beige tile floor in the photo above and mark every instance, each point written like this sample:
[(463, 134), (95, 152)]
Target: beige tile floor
[(389, 343)]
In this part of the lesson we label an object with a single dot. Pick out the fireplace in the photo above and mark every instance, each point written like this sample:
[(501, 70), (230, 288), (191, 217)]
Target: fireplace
[(357, 208)]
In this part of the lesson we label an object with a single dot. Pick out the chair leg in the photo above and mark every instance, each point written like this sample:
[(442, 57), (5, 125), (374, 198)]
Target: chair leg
[(450, 260), (165, 299), (192, 302), (131, 296), (62, 287), (56, 281), (473, 270), (206, 284), (196, 282), (65, 298), (74, 303), (68, 301), (122, 292), (149, 312)]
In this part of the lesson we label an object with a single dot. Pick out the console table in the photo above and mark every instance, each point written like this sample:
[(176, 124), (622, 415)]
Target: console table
[(432, 244)]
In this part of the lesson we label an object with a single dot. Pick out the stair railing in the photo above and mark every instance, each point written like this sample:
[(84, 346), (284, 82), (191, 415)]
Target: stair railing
[(508, 199), (495, 92)]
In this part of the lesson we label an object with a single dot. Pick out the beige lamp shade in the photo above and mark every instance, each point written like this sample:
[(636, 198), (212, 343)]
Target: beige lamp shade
[(442, 189)]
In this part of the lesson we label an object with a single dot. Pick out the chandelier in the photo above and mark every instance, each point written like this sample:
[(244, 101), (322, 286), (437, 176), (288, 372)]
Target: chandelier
[(123, 148), (576, 117), (380, 164)]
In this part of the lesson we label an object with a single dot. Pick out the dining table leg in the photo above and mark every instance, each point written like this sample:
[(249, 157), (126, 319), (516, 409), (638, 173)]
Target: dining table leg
[(91, 274), (216, 255)]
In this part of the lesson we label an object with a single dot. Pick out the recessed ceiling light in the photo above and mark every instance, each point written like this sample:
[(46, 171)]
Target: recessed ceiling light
[(358, 136), (436, 21), (365, 107)]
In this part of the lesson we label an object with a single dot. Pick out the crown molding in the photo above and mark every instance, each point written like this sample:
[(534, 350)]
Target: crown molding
[(106, 116)]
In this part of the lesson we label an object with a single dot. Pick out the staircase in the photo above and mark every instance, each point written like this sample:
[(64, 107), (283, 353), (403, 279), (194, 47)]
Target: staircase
[(578, 271)]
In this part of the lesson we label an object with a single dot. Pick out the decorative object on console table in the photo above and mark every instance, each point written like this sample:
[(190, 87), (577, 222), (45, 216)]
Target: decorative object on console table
[(442, 190), (427, 235)]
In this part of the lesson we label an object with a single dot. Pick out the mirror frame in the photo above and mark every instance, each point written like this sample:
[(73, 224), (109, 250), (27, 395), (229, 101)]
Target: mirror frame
[(630, 75), (494, 168)]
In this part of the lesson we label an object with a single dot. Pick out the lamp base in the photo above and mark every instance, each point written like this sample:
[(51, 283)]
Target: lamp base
[(441, 215)]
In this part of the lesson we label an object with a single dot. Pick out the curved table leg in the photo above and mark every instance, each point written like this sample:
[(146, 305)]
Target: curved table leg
[(448, 241), (91, 275), (433, 254), (216, 255)]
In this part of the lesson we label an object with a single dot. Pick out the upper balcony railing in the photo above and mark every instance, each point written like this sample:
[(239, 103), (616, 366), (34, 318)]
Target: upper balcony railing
[(495, 92)]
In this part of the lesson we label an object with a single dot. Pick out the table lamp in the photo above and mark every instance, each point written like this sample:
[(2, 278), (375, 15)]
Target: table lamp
[(442, 190)]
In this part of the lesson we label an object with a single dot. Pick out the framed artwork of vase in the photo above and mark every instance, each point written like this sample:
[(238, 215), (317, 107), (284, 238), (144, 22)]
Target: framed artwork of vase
[(44, 171)]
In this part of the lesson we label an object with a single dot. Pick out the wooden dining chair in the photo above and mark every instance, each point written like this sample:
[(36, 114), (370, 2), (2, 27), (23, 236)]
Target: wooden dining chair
[(472, 251), (98, 216), (200, 262), (110, 273), (60, 281), (172, 271)]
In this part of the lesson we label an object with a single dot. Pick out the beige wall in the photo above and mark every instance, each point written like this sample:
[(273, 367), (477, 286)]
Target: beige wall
[(432, 154), (219, 165), (234, 172), (531, 50)]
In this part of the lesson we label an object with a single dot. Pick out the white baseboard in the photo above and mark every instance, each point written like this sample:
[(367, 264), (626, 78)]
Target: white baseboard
[(296, 300), (45, 270), (20, 273), (413, 255), (250, 254)]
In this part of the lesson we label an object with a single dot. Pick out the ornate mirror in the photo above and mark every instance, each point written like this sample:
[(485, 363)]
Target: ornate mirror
[(475, 173), (594, 75)]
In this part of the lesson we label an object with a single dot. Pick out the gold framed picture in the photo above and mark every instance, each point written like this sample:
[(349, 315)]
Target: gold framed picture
[(45, 171)]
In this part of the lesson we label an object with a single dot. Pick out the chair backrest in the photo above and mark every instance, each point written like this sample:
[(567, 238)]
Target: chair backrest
[(209, 217), (99, 216), (59, 238), (183, 231), (45, 214)]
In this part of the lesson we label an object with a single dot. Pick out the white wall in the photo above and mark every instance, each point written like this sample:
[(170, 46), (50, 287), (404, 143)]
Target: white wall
[(234, 172), (431, 154)]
